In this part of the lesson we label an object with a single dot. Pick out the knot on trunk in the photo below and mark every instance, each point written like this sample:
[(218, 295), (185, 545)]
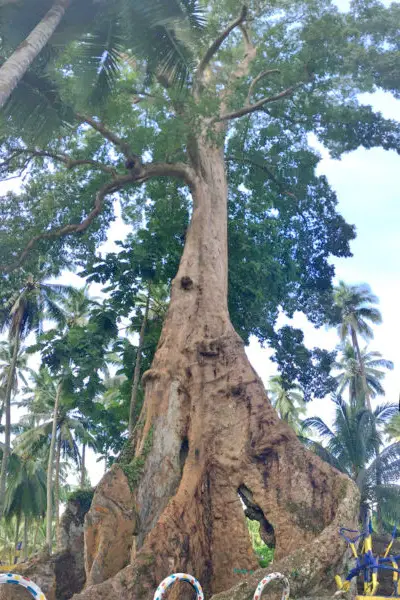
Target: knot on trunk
[(186, 282), (209, 348)]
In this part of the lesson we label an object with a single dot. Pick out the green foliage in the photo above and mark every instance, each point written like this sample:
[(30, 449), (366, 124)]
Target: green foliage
[(264, 553), (350, 446), (133, 467), (82, 497)]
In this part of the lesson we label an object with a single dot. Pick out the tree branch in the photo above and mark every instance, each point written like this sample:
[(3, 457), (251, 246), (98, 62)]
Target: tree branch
[(108, 135), (257, 79), (215, 46), (140, 174), (264, 168), (245, 110), (69, 162)]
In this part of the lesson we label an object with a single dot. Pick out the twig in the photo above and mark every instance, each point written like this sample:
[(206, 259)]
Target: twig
[(257, 79), (108, 135), (245, 110)]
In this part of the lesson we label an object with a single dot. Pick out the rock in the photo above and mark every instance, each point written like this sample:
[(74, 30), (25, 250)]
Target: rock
[(63, 574), (109, 528)]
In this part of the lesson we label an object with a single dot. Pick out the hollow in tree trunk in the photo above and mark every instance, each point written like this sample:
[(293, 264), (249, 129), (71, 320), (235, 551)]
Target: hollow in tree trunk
[(208, 440)]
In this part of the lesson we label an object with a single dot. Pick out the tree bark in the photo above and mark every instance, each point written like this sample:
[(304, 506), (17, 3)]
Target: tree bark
[(210, 439), (19, 62), (7, 432), (57, 493), (25, 554), (362, 368), (49, 512), (17, 526), (369, 406), (136, 373), (83, 466)]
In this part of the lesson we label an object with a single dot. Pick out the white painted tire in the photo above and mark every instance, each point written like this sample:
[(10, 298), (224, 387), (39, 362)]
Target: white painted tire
[(168, 581), (273, 577), (15, 579)]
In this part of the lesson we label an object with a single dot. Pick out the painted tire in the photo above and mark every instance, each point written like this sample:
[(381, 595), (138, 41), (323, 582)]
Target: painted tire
[(164, 585), (273, 577), (15, 579)]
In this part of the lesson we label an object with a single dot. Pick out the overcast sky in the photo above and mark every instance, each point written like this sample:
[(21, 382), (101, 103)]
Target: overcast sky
[(367, 185)]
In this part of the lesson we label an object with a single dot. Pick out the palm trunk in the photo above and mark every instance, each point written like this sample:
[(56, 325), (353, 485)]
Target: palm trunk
[(16, 539), (19, 62), (57, 492), (26, 553), (136, 374), (210, 438), (35, 536), (369, 406), (7, 440), (83, 466), (362, 368), (49, 513)]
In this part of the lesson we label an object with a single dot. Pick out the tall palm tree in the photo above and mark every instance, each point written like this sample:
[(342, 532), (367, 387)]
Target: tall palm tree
[(25, 312), (350, 447), (289, 404), (53, 420), (25, 495), (355, 304), (349, 375), (6, 357)]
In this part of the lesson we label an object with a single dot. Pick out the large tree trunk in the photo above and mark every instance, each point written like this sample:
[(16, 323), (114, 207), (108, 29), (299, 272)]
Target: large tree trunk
[(7, 431), (50, 466), (136, 373), (208, 441), (19, 62)]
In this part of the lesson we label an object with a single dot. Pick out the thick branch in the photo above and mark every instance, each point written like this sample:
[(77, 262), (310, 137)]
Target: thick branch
[(215, 46), (245, 110), (69, 162), (108, 135), (257, 79), (139, 175)]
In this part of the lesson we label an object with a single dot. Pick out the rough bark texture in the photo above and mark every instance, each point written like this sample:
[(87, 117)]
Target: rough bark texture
[(63, 574), (16, 66), (206, 435)]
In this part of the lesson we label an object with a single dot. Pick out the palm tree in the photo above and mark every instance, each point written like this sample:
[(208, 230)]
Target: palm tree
[(355, 304), (25, 312), (25, 495), (154, 302), (19, 62), (393, 428), (350, 447), (152, 30), (51, 418), (6, 356), (350, 376), (289, 403)]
